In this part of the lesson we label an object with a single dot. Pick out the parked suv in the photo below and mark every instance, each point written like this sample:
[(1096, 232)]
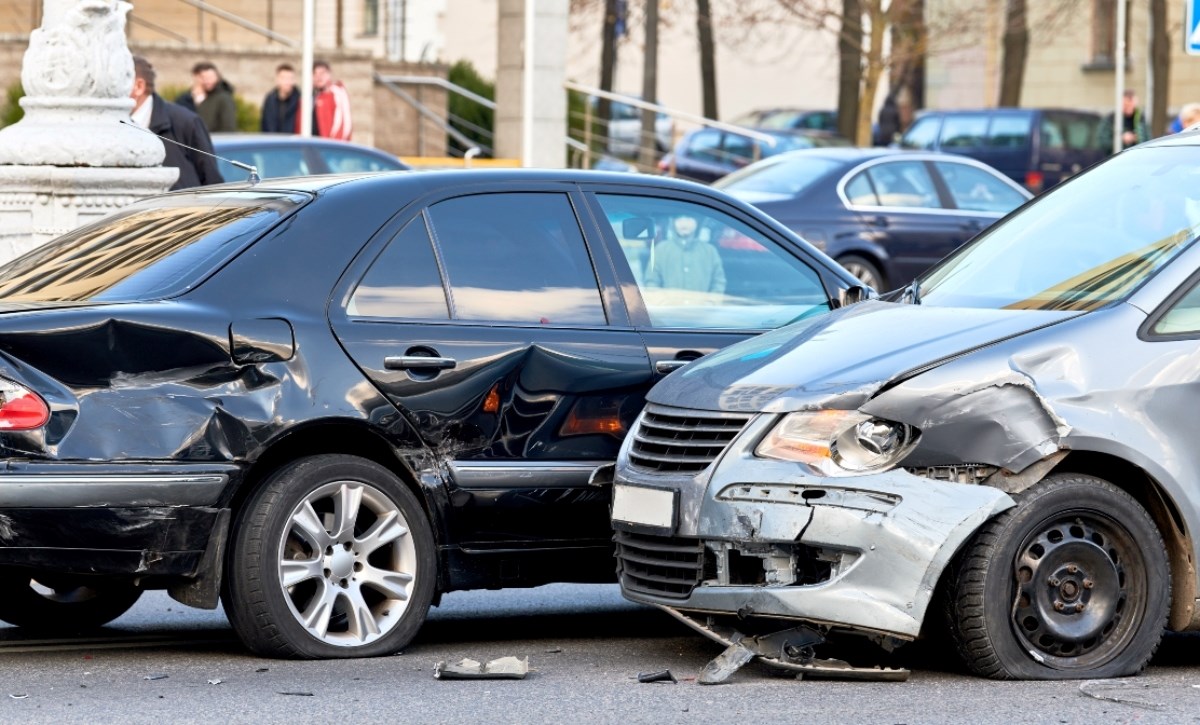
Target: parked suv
[(333, 399), (1038, 148)]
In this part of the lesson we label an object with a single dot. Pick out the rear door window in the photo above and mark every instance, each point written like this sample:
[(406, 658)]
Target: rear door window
[(705, 146), (964, 131), (147, 251), (403, 281), (904, 184), (1010, 131), (516, 257), (1075, 132), (974, 189), (923, 134)]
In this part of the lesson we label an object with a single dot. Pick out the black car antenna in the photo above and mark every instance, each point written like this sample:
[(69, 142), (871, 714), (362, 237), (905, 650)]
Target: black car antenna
[(244, 167)]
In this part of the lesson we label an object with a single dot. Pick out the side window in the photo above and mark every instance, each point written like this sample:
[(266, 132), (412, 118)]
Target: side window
[(738, 150), (1183, 318), (964, 131), (1010, 131), (705, 146), (271, 162), (403, 281), (343, 161), (1073, 131), (698, 268), (923, 133), (516, 257), (974, 189), (904, 184), (859, 191)]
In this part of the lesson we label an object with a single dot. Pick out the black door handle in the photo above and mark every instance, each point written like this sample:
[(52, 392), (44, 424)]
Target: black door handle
[(419, 362), (973, 225), (879, 221)]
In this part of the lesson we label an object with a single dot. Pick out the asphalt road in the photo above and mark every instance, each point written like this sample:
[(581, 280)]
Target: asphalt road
[(586, 646)]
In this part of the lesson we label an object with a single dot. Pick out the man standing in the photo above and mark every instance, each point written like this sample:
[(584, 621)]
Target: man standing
[(279, 107), (211, 98), (684, 261), (331, 105), (170, 121), (1134, 130)]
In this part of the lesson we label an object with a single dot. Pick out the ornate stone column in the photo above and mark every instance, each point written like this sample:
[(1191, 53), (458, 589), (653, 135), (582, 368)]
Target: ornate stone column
[(70, 160)]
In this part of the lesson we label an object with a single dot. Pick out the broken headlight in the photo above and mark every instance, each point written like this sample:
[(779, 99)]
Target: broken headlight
[(839, 442)]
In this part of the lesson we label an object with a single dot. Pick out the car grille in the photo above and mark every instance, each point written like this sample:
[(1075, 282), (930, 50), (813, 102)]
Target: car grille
[(688, 441), (661, 566)]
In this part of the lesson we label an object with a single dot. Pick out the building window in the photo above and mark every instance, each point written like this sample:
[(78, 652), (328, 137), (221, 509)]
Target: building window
[(1104, 35), (370, 17)]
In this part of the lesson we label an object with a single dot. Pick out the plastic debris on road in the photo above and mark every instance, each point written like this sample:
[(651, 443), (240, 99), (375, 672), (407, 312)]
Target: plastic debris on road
[(660, 676), (504, 668)]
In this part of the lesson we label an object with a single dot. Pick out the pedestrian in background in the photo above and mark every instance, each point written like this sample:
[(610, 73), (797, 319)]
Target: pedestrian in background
[(331, 104), (889, 122), (1134, 130), (280, 105), (210, 98), (175, 123), (1189, 116)]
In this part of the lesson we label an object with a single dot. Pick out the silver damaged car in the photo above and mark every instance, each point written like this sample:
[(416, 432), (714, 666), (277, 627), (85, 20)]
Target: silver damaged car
[(1007, 449)]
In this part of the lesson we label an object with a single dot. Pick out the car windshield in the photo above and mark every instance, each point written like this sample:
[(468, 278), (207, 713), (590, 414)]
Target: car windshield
[(150, 250), (1083, 245), (779, 175)]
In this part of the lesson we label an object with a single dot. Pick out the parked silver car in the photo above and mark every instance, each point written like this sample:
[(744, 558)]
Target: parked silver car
[(1012, 436)]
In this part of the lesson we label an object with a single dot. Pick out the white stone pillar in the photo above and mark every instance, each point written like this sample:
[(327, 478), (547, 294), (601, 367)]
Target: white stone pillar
[(549, 71), (70, 159)]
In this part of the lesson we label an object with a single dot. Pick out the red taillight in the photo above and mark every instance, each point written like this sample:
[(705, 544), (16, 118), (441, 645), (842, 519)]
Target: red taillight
[(1034, 181), (21, 408)]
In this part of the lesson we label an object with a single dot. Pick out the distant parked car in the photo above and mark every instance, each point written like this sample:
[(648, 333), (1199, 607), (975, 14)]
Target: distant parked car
[(1038, 148), (790, 118), (885, 215), (625, 130), (278, 155), (707, 154)]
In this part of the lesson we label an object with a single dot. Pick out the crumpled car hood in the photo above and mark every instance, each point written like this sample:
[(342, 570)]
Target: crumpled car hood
[(848, 355)]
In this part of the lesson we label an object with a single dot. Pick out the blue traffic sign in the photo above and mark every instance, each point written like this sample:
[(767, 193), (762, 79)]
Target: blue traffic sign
[(1191, 38)]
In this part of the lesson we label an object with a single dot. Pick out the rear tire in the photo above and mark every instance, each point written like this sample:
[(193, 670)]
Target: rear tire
[(1072, 583), (62, 604), (332, 557), (865, 270)]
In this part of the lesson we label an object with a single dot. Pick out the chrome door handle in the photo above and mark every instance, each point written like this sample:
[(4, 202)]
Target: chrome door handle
[(419, 362), (669, 366)]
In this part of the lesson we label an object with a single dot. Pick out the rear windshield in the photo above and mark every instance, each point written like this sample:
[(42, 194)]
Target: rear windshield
[(149, 250), (788, 175)]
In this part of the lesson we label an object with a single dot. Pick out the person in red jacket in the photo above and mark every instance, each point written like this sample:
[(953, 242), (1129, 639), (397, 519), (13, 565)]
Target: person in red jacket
[(331, 105)]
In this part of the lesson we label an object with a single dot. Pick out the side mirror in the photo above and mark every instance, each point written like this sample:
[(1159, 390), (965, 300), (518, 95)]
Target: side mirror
[(853, 294), (638, 227)]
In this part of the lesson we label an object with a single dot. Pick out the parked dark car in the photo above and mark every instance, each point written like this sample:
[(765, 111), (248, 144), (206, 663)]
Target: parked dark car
[(278, 155), (707, 154), (883, 214), (1037, 148), (336, 398), (1005, 452), (790, 119)]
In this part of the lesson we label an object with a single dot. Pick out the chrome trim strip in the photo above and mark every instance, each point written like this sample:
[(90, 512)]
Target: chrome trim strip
[(964, 160), (524, 474), (107, 490)]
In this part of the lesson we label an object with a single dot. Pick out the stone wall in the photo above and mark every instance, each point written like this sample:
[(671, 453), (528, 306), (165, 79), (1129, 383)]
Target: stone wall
[(380, 118)]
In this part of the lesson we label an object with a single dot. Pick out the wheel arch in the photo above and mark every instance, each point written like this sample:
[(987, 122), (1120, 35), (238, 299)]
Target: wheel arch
[(870, 255)]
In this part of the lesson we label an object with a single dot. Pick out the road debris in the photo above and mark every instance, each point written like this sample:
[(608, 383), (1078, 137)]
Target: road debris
[(263, 669), (1110, 691), (660, 676), (504, 668), (155, 677), (19, 697), (725, 664), (554, 651), (298, 694), (215, 681)]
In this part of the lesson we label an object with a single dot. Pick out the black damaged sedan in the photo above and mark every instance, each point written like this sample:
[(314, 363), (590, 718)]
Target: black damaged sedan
[(328, 401)]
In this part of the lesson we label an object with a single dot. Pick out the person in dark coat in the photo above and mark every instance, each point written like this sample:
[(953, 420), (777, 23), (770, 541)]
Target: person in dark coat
[(171, 121), (889, 122), (280, 106), (210, 98)]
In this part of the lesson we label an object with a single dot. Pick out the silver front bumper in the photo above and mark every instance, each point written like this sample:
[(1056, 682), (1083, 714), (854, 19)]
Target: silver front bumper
[(885, 538)]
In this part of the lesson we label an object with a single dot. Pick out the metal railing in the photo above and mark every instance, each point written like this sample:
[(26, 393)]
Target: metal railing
[(241, 22), (584, 148), (446, 125)]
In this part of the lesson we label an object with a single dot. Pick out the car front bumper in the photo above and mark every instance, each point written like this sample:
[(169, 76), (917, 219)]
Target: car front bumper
[(764, 537), (133, 519)]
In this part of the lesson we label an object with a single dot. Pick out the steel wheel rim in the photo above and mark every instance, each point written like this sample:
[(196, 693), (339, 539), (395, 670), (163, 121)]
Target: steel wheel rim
[(863, 274), (347, 563), (1080, 590)]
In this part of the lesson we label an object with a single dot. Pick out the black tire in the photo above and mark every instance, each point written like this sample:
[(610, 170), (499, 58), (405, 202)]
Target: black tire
[(865, 270), (267, 616), (59, 604), (1071, 583)]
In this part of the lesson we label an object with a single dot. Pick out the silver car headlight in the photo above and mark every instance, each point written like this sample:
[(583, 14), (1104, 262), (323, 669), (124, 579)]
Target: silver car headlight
[(839, 442)]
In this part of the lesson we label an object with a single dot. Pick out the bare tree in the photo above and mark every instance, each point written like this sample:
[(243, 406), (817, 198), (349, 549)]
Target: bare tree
[(646, 151), (608, 61), (708, 57), (849, 67), (1160, 67), (1016, 50)]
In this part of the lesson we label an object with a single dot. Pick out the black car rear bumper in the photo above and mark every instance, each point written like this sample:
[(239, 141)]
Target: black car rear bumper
[(141, 520)]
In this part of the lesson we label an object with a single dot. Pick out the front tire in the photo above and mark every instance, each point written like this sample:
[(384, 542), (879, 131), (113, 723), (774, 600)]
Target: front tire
[(57, 604), (1072, 583), (332, 557)]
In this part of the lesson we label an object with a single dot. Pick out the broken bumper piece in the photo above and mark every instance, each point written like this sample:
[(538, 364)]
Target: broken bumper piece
[(860, 553)]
